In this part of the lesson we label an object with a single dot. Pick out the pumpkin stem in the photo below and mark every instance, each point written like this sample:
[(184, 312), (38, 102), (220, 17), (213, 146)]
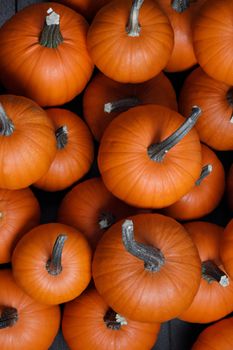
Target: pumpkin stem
[(212, 273), (6, 125), (113, 320), (106, 219), (61, 137), (8, 317), (133, 27), (153, 258), (158, 151), (51, 36), (206, 170), (180, 5), (121, 105), (53, 265)]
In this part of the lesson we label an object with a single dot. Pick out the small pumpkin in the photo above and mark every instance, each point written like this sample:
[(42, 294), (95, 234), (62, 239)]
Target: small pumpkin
[(52, 263), (87, 8), (88, 323), (226, 248), (229, 187)]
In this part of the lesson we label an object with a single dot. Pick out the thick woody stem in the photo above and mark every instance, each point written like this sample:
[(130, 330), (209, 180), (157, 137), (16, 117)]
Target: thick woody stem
[(121, 105), (6, 124), (113, 320), (153, 258), (61, 137), (158, 151), (54, 266), (212, 273), (51, 35), (106, 219), (180, 5), (206, 170), (133, 27), (8, 317)]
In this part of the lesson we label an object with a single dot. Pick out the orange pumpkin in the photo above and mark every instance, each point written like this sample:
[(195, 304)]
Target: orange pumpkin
[(230, 187), (45, 57), (75, 151), (87, 8), (130, 43), (226, 248), (105, 98)]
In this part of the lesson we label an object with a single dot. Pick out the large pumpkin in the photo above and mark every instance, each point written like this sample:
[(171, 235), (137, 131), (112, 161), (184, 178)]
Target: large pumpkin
[(44, 55), (87, 8)]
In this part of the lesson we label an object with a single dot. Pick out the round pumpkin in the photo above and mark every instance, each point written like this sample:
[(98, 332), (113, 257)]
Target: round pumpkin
[(147, 268), (229, 187), (105, 98), (19, 213), (44, 54), (27, 142), (87, 8), (215, 128), (24, 323), (130, 43), (52, 263), (226, 248), (88, 323), (75, 151), (144, 158)]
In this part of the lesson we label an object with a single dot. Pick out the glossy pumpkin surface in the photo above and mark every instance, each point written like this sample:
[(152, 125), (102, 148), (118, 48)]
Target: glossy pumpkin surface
[(227, 248), (87, 8)]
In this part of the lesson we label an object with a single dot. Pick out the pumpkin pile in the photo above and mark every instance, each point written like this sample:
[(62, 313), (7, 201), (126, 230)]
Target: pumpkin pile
[(116, 133)]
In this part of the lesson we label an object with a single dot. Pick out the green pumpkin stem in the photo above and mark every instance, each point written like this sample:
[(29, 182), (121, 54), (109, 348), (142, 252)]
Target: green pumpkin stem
[(121, 105), (158, 151), (212, 273), (6, 125), (9, 317), (153, 258), (206, 170), (51, 36), (133, 27), (54, 266), (62, 136), (180, 5), (113, 320), (106, 219)]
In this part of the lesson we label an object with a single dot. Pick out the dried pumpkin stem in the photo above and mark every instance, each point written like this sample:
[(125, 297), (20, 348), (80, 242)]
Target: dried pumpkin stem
[(106, 219), (153, 258), (133, 27), (206, 170), (158, 151), (180, 5), (8, 317), (51, 35), (212, 273), (54, 266), (62, 136), (113, 320), (6, 125), (121, 105)]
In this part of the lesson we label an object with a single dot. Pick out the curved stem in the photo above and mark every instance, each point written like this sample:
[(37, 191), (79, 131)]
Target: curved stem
[(158, 151), (54, 266), (106, 219), (153, 258), (62, 137), (51, 36), (133, 27), (121, 105), (8, 317), (180, 5), (206, 170), (113, 320), (6, 125), (212, 273)]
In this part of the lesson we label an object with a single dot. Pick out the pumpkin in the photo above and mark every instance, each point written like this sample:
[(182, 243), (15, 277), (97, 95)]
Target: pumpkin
[(212, 33), (230, 187), (130, 43), (91, 209), (52, 263), (215, 99), (27, 142), (226, 248), (87, 8), (44, 54), (75, 151), (214, 298), (147, 268), (143, 159), (105, 98), (207, 192), (22, 319), (19, 213), (217, 336), (88, 323)]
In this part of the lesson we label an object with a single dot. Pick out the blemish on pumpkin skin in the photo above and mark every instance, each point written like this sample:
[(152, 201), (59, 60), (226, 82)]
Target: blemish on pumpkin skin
[(1, 215)]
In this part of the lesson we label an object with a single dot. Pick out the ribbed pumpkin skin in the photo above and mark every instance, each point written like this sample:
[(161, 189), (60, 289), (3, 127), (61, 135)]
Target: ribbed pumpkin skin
[(203, 198), (212, 36), (141, 295), (75, 159), (32, 254), (87, 8), (19, 213), (130, 174), (128, 59), (226, 248), (230, 187), (103, 90), (212, 301), (34, 319), (27, 154), (84, 328), (214, 127), (46, 75), (217, 336)]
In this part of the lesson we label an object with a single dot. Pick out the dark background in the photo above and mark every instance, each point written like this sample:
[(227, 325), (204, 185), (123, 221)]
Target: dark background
[(175, 334)]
